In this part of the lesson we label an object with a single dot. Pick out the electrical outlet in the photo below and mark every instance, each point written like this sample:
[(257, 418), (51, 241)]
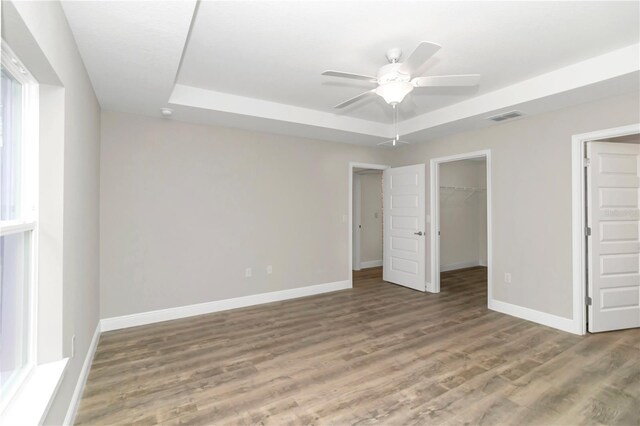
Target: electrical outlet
[(247, 273), (507, 277), (269, 269), (73, 346)]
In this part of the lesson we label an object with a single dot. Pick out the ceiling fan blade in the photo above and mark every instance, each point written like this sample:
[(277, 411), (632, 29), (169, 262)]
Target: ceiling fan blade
[(351, 75), (355, 99), (418, 57), (447, 80)]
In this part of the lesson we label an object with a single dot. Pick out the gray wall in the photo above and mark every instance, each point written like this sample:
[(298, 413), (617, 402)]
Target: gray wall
[(185, 208), (196, 205), (531, 175), (80, 278)]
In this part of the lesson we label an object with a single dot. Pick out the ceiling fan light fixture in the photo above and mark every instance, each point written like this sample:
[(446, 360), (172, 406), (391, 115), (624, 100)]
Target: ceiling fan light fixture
[(396, 79), (395, 91)]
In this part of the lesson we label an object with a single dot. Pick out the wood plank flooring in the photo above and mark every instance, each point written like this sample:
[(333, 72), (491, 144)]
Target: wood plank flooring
[(377, 353)]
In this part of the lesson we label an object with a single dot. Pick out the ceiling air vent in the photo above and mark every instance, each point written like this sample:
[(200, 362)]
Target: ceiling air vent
[(505, 116)]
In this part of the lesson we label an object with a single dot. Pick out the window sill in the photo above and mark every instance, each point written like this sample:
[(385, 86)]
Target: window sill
[(30, 405)]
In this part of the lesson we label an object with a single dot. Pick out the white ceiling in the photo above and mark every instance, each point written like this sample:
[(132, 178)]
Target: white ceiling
[(257, 65), (276, 50), (131, 49)]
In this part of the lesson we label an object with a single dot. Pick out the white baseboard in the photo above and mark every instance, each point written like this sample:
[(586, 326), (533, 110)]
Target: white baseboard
[(370, 264), (550, 320), (69, 419), (483, 262), (143, 318), (459, 265)]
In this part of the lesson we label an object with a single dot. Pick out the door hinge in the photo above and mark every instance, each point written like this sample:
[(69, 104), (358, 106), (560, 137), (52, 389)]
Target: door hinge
[(586, 162), (587, 231), (588, 301)]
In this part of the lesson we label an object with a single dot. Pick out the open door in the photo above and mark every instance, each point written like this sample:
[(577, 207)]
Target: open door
[(613, 234), (404, 225)]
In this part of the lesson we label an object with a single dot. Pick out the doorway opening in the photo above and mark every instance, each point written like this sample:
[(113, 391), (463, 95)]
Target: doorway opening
[(366, 220), (606, 229), (460, 190), (403, 220), (463, 214), (463, 218)]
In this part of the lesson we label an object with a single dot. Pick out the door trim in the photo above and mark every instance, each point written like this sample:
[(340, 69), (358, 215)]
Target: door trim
[(434, 194), (578, 214), (357, 212), (356, 165)]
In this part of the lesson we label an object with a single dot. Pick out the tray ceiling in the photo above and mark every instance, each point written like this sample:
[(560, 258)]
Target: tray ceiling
[(257, 64)]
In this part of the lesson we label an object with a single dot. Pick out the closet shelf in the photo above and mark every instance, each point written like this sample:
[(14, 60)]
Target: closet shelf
[(463, 188), (471, 189)]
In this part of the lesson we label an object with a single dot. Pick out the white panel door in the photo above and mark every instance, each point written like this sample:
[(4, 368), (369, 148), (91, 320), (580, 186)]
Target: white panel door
[(613, 216), (404, 224)]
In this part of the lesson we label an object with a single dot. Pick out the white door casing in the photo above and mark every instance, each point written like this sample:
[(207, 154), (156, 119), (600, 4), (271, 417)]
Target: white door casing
[(613, 220), (404, 226), (357, 200)]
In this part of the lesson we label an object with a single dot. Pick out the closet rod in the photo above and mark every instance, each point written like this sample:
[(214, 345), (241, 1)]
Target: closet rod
[(463, 188)]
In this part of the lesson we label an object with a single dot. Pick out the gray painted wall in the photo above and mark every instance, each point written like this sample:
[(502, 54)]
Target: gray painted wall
[(531, 174), (185, 208)]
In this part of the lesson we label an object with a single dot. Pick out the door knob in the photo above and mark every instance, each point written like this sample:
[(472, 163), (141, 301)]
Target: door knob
[(417, 233)]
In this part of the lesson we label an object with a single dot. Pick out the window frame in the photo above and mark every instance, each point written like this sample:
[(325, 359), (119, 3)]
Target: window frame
[(27, 222)]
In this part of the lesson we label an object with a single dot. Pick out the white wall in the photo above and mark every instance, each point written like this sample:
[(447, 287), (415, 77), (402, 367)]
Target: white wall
[(371, 218), (463, 234), (531, 191), (73, 165), (185, 208)]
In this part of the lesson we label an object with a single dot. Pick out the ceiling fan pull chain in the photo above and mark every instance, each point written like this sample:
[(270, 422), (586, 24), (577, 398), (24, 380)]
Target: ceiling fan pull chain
[(395, 123), (395, 120)]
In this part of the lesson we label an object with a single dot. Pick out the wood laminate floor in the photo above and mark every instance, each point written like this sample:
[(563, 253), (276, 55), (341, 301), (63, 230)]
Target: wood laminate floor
[(378, 353)]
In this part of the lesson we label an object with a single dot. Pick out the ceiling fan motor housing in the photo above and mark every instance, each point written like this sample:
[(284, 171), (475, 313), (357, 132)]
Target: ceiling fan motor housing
[(394, 54), (391, 72)]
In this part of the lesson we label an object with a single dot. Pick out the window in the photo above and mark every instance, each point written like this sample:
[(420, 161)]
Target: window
[(18, 224)]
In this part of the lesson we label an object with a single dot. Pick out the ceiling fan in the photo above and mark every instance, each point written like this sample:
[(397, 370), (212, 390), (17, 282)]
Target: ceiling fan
[(397, 79)]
